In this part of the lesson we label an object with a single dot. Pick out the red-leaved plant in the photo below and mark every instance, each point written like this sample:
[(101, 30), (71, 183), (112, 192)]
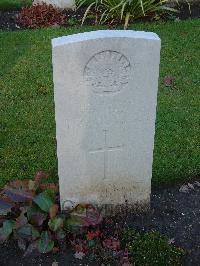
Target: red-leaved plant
[(40, 16), (30, 213)]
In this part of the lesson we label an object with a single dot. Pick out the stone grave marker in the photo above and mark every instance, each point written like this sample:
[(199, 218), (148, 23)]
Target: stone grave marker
[(105, 90)]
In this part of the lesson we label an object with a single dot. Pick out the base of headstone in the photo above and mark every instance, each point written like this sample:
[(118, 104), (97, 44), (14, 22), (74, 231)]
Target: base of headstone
[(124, 209)]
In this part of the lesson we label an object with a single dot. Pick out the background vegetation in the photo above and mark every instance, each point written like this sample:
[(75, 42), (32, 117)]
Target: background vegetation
[(14, 4)]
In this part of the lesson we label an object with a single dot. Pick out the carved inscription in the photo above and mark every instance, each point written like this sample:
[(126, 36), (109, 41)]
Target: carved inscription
[(105, 150), (107, 72)]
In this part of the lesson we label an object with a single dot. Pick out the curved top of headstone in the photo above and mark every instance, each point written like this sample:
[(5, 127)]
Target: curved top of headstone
[(99, 34)]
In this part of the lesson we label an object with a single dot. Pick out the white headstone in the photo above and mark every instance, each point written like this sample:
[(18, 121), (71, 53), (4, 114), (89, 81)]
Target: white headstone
[(105, 85), (57, 3)]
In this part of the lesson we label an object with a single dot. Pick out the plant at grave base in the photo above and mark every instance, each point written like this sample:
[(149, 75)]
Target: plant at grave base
[(124, 10), (40, 16), (29, 213), (151, 248)]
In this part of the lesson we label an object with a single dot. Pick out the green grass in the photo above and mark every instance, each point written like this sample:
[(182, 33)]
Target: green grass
[(14, 4), (27, 113)]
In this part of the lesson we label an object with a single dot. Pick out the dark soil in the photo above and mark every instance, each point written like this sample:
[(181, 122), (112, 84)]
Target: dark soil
[(8, 19), (173, 213)]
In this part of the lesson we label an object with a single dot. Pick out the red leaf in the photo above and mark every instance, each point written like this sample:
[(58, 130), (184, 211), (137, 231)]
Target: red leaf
[(112, 243), (93, 216), (53, 210), (39, 176), (90, 235)]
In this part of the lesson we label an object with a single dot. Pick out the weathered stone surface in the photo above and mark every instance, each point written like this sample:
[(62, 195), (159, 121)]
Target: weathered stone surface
[(57, 3), (105, 85)]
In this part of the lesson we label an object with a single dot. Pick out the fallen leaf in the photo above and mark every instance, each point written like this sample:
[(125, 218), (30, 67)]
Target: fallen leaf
[(171, 241), (169, 80), (32, 247), (79, 255), (21, 244), (55, 263), (184, 189), (190, 186), (197, 183)]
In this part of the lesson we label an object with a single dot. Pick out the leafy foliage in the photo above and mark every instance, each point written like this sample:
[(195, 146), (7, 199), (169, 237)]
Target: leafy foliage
[(29, 212), (112, 244), (34, 220), (40, 16), (124, 10)]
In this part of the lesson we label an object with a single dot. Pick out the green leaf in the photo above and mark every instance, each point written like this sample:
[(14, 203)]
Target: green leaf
[(35, 233), (44, 201), (60, 234), (45, 244), (73, 222), (8, 226), (6, 230), (55, 223), (91, 243), (86, 12), (36, 216), (25, 231)]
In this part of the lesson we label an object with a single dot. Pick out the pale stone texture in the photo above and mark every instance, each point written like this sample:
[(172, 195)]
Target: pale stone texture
[(105, 86), (57, 3)]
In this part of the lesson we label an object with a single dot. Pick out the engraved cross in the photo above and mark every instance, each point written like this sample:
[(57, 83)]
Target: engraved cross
[(105, 150)]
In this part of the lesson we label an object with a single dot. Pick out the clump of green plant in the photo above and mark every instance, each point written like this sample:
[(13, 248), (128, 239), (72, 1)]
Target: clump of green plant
[(124, 10), (151, 249)]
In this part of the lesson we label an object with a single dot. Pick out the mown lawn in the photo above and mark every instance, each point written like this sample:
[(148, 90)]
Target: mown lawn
[(27, 108), (14, 4)]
